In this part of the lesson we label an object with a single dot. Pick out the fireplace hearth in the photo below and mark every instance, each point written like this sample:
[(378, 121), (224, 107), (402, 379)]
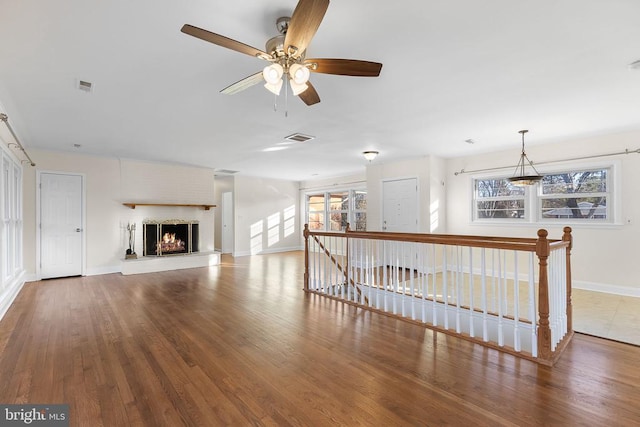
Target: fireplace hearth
[(170, 237)]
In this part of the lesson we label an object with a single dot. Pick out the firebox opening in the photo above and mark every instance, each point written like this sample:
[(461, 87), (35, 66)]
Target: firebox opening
[(170, 238)]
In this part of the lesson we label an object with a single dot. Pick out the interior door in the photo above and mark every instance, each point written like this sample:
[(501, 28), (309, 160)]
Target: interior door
[(61, 225), (227, 222), (400, 215), (400, 205)]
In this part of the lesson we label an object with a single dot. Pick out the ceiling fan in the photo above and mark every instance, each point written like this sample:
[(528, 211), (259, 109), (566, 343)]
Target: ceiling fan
[(286, 53)]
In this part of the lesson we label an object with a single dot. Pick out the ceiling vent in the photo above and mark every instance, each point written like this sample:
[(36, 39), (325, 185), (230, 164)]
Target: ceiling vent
[(225, 171), (85, 86), (298, 137)]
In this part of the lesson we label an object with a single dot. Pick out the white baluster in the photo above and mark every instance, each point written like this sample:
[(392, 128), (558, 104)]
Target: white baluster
[(458, 277), (483, 281), (500, 305), (434, 306), (516, 304), (472, 314), (445, 290), (533, 310)]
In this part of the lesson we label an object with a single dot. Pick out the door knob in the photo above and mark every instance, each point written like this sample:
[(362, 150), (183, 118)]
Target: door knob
[(78, 230)]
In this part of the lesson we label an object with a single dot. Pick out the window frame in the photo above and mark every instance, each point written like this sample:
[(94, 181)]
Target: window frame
[(475, 200), (351, 210), (534, 198)]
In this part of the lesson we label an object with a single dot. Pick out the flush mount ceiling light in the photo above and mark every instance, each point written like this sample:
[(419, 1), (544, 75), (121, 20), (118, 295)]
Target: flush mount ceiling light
[(370, 155), (519, 177)]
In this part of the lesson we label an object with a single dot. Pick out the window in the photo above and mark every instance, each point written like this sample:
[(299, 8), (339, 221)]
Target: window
[(359, 210), (10, 218), (576, 196), (340, 207), (498, 198), (338, 210), (315, 209)]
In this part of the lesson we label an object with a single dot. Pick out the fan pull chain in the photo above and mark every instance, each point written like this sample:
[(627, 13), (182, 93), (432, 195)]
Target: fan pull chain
[(275, 102), (286, 98)]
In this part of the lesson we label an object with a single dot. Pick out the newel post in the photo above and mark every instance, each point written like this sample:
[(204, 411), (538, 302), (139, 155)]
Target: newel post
[(567, 237), (544, 332), (305, 233)]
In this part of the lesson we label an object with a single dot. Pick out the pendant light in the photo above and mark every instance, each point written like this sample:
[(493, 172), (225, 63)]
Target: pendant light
[(370, 155), (519, 177)]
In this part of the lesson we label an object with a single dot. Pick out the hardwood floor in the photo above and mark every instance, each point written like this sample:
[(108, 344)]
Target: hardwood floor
[(242, 344)]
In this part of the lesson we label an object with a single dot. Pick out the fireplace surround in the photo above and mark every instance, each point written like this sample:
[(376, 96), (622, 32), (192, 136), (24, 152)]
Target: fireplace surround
[(170, 237)]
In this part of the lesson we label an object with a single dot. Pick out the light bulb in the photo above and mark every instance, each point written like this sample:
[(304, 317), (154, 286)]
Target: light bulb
[(299, 74), (272, 73)]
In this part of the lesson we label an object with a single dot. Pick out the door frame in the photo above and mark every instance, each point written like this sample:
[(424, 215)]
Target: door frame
[(83, 250), (401, 178)]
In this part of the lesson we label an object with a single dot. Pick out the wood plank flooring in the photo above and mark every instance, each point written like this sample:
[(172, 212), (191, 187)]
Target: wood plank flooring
[(241, 344)]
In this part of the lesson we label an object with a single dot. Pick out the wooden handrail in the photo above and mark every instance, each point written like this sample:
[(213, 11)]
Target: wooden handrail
[(511, 243)]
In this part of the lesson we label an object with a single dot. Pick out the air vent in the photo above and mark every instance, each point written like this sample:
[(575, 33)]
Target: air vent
[(85, 86), (299, 137), (225, 171)]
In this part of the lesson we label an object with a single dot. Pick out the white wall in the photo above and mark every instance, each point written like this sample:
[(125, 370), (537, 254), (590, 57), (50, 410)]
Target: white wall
[(109, 183), (266, 216), (605, 257)]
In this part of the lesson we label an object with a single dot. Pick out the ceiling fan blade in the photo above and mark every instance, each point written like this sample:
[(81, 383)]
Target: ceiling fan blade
[(243, 84), (223, 41), (344, 67), (310, 96), (304, 23)]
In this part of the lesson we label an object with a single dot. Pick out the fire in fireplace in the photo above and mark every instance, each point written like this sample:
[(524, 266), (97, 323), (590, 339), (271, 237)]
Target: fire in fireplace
[(170, 237)]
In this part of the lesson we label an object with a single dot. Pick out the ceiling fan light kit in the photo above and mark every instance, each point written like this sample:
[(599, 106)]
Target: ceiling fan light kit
[(287, 52), (272, 75), (520, 178)]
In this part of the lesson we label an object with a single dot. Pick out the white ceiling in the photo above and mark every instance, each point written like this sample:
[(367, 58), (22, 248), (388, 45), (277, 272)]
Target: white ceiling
[(453, 70)]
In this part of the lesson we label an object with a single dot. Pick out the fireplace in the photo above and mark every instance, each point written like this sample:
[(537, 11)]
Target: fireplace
[(172, 237)]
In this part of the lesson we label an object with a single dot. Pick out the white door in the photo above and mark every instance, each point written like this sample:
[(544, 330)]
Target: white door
[(400, 205), (400, 215), (61, 225), (227, 222)]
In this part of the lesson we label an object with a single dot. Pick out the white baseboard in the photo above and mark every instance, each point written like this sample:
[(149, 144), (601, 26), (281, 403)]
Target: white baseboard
[(606, 288), (103, 270), (269, 251), (10, 293)]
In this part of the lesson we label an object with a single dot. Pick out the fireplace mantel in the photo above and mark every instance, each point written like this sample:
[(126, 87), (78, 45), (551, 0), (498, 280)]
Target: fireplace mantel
[(133, 205)]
